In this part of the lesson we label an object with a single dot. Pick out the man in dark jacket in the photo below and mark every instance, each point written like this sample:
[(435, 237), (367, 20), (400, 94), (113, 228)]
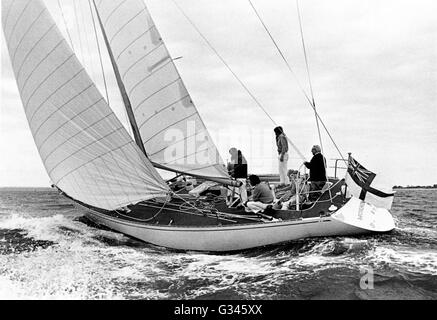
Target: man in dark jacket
[(317, 167), (237, 169)]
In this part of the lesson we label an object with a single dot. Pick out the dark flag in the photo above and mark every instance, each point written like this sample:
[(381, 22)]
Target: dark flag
[(360, 183)]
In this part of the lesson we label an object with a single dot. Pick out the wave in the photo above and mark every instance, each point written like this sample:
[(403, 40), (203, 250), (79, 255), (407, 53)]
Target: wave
[(17, 241), (64, 256)]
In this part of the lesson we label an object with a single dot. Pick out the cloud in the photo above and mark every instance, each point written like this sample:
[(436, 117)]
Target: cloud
[(373, 66)]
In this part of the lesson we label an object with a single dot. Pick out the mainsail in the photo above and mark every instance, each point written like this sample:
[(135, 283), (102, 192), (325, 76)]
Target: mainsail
[(85, 149), (172, 131)]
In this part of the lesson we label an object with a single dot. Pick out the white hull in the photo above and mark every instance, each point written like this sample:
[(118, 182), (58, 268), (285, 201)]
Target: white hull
[(236, 237), (222, 239)]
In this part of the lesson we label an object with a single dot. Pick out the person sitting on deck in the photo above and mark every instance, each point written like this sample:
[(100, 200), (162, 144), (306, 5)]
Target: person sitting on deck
[(178, 183), (289, 196), (317, 167), (261, 198)]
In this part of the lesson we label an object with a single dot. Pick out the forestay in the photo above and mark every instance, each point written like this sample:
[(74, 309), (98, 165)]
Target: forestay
[(171, 128), (84, 147)]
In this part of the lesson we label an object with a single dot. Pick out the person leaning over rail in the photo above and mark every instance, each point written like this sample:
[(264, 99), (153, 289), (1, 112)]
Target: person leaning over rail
[(282, 144), (261, 197), (317, 167)]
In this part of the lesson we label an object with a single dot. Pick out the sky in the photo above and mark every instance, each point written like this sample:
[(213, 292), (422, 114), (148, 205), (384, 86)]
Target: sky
[(373, 66)]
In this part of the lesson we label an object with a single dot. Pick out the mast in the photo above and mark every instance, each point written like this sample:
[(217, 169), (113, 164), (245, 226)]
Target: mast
[(133, 122), (85, 149), (122, 88)]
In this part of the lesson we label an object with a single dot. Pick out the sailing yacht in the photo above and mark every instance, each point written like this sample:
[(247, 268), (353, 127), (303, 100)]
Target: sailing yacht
[(92, 159)]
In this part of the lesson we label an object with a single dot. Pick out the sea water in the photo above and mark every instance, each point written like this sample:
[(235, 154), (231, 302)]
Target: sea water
[(48, 250)]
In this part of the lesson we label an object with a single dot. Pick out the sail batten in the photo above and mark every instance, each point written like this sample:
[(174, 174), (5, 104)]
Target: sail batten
[(18, 74), (134, 41), (25, 33), (20, 17), (169, 123), (85, 149), (68, 81), (59, 109), (68, 121)]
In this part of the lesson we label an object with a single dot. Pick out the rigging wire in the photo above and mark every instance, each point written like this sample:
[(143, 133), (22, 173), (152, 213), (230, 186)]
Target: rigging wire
[(128, 123), (78, 29), (311, 101), (148, 219), (225, 63), (87, 41), (100, 53), (309, 74), (280, 52), (235, 75), (65, 24), (77, 10)]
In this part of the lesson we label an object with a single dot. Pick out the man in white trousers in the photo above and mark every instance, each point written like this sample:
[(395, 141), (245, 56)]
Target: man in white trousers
[(282, 144)]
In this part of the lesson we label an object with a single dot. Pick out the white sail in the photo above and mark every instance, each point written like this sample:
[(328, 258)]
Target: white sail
[(172, 131), (85, 149)]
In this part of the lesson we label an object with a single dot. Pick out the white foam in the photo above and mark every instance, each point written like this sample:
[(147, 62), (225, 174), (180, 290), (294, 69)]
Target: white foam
[(76, 266), (79, 266), (38, 228), (423, 261)]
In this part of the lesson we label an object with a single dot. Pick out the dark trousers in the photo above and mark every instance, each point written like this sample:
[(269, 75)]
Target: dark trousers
[(316, 186)]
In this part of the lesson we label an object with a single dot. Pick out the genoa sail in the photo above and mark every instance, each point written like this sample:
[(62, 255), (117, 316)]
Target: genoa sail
[(85, 149), (172, 131)]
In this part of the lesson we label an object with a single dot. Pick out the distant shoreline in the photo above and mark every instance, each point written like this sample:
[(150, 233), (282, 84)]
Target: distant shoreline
[(434, 187), (24, 188), (414, 187)]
